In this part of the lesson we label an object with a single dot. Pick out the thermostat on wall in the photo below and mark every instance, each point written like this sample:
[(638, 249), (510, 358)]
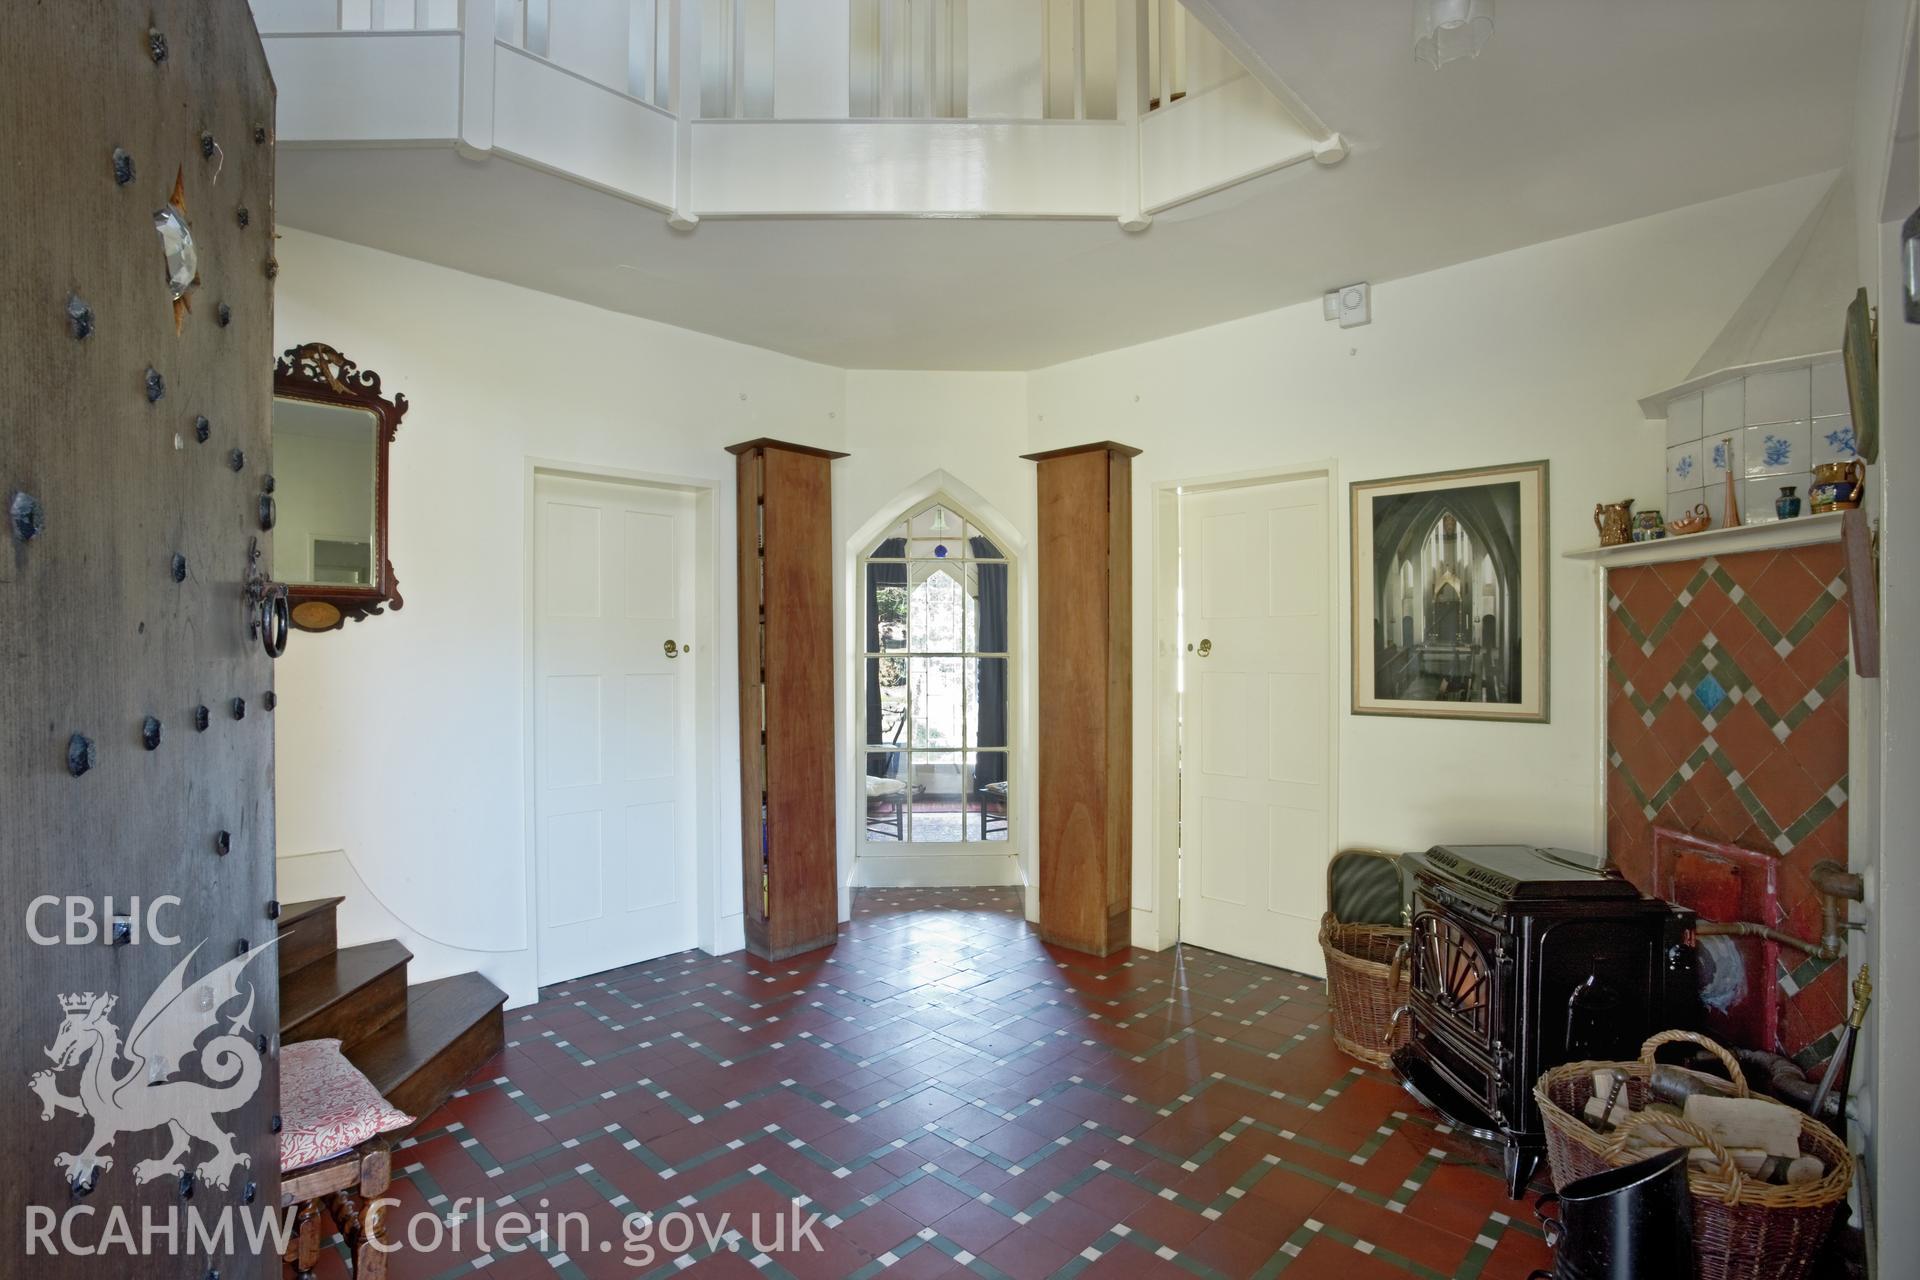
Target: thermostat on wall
[(1350, 304)]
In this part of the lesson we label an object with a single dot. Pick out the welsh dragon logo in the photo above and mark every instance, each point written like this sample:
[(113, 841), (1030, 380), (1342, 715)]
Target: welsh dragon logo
[(145, 1095)]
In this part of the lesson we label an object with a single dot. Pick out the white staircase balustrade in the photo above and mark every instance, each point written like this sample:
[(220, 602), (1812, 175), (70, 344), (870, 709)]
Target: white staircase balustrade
[(767, 108)]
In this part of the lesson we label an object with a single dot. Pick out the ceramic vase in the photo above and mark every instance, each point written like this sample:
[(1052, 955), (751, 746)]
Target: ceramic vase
[(1787, 505), (1732, 518)]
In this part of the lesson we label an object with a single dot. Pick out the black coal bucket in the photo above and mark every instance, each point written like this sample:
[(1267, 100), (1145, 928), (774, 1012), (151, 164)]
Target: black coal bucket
[(1631, 1223)]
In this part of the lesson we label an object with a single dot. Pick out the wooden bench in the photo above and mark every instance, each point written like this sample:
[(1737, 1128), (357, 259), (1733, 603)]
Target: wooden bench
[(340, 1195)]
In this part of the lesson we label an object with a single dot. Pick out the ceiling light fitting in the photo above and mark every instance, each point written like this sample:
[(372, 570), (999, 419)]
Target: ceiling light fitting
[(1447, 29)]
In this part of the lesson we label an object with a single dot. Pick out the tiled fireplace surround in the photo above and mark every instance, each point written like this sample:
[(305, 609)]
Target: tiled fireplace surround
[(1727, 719)]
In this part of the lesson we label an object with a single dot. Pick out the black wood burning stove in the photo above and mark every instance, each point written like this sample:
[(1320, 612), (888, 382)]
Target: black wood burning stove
[(1522, 959)]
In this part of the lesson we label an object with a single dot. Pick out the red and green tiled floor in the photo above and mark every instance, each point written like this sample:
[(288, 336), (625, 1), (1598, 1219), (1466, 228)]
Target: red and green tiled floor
[(953, 1098)]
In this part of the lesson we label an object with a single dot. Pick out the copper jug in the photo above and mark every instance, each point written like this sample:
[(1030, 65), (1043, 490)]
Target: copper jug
[(1614, 520), (1838, 486)]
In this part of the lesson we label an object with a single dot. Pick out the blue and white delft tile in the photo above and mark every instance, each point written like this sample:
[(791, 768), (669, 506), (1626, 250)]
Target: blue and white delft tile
[(1721, 456), (1833, 440), (1683, 467), (1783, 396), (1683, 420), (1830, 390), (1775, 450), (1723, 409)]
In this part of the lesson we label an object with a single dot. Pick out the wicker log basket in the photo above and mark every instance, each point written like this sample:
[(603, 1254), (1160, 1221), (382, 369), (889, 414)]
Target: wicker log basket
[(1744, 1229), (1366, 981)]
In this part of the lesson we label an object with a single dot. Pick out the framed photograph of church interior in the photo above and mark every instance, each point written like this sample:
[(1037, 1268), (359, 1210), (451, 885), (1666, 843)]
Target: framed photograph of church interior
[(1450, 595)]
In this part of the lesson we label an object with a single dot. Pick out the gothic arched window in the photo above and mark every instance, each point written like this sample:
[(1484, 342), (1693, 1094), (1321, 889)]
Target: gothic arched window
[(936, 706)]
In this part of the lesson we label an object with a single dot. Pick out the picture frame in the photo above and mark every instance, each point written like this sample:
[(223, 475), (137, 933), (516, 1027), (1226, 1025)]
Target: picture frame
[(1860, 355), (1450, 594)]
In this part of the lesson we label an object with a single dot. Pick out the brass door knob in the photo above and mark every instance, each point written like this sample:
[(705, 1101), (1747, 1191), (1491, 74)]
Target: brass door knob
[(1206, 647), (671, 649)]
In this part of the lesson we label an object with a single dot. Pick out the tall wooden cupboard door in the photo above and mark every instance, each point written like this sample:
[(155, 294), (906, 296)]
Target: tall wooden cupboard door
[(141, 1004), (788, 853), (1085, 671)]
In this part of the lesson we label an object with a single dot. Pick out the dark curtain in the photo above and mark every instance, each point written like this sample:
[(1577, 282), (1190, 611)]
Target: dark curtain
[(878, 576), (991, 637)]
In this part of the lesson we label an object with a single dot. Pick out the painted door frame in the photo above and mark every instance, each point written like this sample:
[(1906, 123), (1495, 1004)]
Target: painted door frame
[(1161, 926), (715, 930), (1020, 737)]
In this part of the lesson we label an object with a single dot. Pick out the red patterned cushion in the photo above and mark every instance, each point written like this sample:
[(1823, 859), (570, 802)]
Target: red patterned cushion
[(326, 1106)]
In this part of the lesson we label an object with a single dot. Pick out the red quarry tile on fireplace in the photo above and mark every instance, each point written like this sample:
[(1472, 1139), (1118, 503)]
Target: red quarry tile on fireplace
[(1786, 635), (1784, 788), (1646, 596), (1787, 587)]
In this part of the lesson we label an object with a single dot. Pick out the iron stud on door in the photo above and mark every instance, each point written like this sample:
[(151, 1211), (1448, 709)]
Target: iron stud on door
[(28, 519), (81, 755), (79, 318)]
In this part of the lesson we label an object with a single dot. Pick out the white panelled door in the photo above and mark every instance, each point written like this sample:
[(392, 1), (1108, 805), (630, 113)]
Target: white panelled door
[(613, 723), (1256, 777)]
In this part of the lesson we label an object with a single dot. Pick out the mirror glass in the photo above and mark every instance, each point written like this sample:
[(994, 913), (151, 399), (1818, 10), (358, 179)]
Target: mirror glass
[(326, 464)]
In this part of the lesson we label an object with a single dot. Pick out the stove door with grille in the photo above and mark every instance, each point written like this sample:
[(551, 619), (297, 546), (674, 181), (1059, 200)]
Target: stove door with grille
[(1453, 978), (1457, 1006)]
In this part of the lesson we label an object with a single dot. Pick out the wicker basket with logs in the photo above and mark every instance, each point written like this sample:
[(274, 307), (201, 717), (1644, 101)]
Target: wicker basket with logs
[(1745, 1228)]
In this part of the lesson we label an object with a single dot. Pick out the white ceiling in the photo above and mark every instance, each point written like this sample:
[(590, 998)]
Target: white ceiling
[(1581, 113)]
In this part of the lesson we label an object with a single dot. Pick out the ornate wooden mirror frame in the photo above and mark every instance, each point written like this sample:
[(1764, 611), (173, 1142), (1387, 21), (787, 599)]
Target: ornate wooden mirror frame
[(316, 372)]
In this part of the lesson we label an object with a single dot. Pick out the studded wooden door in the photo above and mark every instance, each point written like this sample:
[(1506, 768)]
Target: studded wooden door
[(136, 727)]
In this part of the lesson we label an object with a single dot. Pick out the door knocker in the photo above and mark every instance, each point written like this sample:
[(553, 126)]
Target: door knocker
[(269, 614)]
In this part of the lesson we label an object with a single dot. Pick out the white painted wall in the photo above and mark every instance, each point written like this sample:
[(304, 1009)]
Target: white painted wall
[(401, 740), (1542, 352)]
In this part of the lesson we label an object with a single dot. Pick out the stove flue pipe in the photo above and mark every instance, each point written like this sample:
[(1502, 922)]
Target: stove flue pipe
[(1836, 886)]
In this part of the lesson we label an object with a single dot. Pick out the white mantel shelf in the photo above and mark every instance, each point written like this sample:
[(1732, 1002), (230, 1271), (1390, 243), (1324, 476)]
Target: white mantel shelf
[(1799, 532)]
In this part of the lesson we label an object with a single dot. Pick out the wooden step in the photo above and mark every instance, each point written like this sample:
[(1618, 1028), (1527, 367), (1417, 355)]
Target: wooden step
[(346, 994), (307, 933), (450, 1026)]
